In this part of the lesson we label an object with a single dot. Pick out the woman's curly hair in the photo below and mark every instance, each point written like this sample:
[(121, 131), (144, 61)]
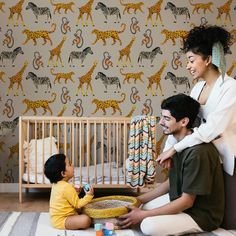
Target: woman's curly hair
[(200, 40)]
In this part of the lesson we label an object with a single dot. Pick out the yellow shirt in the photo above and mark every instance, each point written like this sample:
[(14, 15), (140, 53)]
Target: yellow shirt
[(64, 202)]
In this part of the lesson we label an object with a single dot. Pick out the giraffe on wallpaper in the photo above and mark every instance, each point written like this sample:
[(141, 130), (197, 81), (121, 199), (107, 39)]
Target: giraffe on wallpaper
[(126, 52), (156, 79), (131, 112), (233, 33), (2, 143), (86, 79), (13, 150), (2, 4), (85, 9), (56, 52), (230, 70), (17, 79), (2, 73), (225, 9), (16, 9), (155, 9)]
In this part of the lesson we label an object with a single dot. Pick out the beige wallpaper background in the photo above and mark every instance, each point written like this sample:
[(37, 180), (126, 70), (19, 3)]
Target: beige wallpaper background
[(74, 54)]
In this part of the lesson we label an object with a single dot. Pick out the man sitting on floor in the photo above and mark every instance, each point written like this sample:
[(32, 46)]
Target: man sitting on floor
[(195, 184)]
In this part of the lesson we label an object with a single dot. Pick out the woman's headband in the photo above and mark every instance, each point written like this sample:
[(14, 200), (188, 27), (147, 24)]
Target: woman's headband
[(218, 58)]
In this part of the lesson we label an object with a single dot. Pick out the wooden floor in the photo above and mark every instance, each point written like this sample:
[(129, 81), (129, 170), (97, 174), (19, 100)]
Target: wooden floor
[(39, 201), (31, 202)]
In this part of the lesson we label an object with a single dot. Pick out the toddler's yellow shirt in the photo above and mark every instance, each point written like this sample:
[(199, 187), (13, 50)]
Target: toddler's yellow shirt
[(64, 202)]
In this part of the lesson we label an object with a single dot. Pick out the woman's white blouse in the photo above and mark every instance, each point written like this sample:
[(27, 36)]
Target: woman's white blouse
[(216, 116)]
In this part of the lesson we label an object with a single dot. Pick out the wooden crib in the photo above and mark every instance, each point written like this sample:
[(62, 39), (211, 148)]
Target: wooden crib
[(96, 146)]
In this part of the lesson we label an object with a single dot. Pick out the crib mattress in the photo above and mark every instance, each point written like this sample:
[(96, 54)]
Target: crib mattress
[(77, 176)]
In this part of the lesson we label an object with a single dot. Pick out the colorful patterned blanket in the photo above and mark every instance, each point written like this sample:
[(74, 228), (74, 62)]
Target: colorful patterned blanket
[(142, 149)]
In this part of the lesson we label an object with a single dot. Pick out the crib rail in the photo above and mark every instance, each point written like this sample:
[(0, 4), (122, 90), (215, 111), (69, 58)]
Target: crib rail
[(96, 146)]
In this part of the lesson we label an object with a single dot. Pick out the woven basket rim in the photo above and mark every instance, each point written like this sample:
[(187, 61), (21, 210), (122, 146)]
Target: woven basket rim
[(109, 212)]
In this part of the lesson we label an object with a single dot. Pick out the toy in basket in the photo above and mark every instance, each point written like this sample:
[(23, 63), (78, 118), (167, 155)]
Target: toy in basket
[(106, 209)]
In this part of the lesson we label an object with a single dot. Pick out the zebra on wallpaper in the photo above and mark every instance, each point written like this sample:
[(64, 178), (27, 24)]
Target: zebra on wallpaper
[(178, 80), (8, 125), (11, 55), (39, 11), (39, 81), (108, 11), (79, 55), (149, 55), (177, 11), (109, 81)]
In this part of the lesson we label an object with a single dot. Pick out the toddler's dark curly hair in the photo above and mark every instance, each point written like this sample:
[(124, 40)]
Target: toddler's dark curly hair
[(200, 40), (54, 166)]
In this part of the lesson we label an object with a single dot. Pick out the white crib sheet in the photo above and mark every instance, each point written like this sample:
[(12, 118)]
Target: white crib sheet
[(91, 178)]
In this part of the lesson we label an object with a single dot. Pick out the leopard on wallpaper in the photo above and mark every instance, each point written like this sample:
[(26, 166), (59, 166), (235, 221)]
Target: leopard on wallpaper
[(77, 58)]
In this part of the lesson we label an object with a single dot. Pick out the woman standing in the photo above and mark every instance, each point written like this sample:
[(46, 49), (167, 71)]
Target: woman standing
[(205, 47)]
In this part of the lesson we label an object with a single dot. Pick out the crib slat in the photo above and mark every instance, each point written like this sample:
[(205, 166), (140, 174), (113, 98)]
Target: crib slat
[(125, 149), (80, 151), (117, 152), (88, 149), (95, 152), (102, 150), (108, 150), (65, 137), (43, 130)]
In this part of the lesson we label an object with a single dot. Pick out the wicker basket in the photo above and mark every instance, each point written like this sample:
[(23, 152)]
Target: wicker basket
[(108, 207)]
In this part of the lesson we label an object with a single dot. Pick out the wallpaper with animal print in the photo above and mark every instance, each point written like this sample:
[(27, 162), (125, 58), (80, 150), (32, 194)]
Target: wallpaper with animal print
[(75, 58)]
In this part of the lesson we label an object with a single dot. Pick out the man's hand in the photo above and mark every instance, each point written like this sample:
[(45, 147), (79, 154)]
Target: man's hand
[(135, 216), (165, 155)]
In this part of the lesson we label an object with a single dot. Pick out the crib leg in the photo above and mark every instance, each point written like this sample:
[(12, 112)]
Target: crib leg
[(20, 196)]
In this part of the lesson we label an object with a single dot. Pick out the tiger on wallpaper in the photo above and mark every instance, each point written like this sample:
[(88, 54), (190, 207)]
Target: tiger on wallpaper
[(103, 105), (203, 6), (131, 5), (173, 35), (136, 76), (39, 103), (103, 35), (65, 76), (65, 6), (44, 34)]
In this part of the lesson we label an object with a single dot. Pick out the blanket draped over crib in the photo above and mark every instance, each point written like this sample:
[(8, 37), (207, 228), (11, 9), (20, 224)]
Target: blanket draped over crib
[(142, 149)]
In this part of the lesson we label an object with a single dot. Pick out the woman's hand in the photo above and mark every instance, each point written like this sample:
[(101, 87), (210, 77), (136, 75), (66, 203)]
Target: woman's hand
[(165, 156), (167, 164)]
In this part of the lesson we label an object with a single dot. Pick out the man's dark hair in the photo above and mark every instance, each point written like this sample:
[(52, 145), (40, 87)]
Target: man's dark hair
[(54, 166), (181, 106), (201, 39)]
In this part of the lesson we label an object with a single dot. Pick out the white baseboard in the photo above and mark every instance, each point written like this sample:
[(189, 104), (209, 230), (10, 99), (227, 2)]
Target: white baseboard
[(14, 188), (9, 188)]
